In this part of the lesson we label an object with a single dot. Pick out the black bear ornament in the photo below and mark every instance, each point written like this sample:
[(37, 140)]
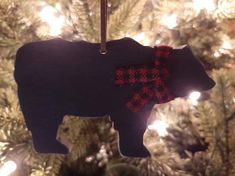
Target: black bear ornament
[(57, 78)]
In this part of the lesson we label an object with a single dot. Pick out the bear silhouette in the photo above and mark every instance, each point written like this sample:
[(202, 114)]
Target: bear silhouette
[(58, 77)]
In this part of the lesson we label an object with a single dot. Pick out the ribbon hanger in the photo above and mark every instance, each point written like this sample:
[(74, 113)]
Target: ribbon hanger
[(103, 26)]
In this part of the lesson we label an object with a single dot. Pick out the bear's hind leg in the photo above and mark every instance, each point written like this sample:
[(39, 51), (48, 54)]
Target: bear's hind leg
[(44, 134), (42, 116)]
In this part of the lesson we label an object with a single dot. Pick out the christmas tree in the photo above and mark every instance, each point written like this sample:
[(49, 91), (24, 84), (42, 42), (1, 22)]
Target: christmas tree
[(189, 136)]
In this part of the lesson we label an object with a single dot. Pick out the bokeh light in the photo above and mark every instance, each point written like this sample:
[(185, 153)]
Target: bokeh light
[(49, 15), (8, 168), (160, 127), (194, 96), (170, 21)]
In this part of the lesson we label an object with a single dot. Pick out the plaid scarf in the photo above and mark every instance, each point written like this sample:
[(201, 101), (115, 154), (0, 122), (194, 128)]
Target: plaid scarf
[(152, 79)]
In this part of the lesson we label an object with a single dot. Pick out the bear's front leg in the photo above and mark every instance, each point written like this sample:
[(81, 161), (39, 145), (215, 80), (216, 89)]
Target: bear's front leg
[(42, 116), (131, 127), (131, 141)]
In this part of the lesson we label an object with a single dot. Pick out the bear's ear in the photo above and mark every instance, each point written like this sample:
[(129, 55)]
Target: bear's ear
[(186, 73)]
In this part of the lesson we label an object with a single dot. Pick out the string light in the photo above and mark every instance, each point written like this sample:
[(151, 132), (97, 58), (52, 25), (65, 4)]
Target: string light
[(208, 5), (159, 126), (227, 45), (170, 21), (158, 42), (58, 6), (194, 96), (8, 168), (225, 48), (141, 38), (101, 157), (217, 54), (55, 22), (89, 159)]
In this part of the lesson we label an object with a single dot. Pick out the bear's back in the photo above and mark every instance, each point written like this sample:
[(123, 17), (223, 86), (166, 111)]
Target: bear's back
[(77, 72)]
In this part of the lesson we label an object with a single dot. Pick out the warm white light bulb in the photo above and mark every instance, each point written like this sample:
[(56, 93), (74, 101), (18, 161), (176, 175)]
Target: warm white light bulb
[(159, 126), (8, 168), (169, 21), (209, 5), (48, 15), (142, 38), (103, 150), (89, 159), (58, 6), (157, 42), (227, 45), (139, 37), (217, 54), (194, 96)]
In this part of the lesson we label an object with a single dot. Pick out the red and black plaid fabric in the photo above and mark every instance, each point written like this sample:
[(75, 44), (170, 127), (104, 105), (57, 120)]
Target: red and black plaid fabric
[(153, 78)]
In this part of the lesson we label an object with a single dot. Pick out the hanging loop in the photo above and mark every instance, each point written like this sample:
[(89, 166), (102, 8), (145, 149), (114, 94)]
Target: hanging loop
[(103, 26)]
